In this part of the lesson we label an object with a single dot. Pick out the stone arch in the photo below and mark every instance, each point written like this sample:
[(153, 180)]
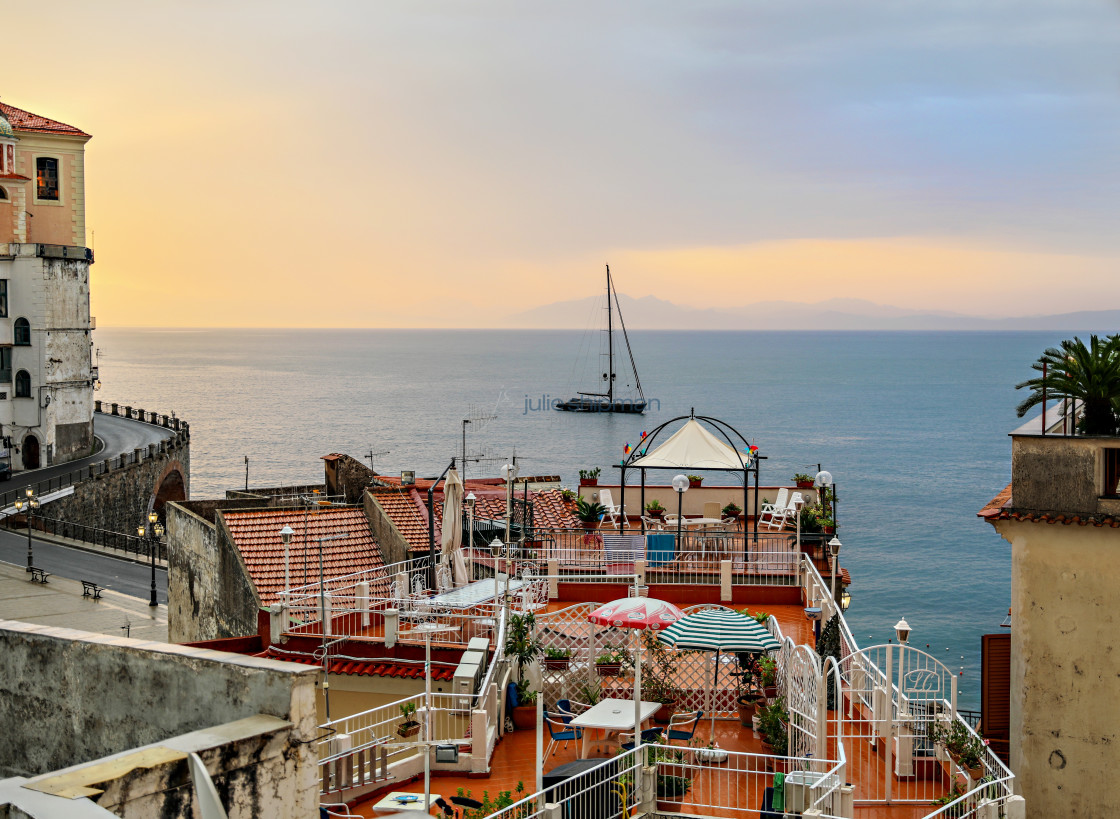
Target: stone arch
[(169, 487), (30, 451)]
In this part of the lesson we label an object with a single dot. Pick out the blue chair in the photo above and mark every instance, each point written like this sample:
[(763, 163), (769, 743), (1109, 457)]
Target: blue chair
[(683, 725), (564, 707), (648, 735), (560, 732)]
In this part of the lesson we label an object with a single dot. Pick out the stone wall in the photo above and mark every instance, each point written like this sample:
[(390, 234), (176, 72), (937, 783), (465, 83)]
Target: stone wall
[(209, 593), (119, 497), (394, 547), (347, 477), (67, 697)]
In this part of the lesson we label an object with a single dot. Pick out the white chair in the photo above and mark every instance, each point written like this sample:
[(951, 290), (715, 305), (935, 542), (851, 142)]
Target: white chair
[(443, 579), (614, 510), (780, 503), (652, 524), (779, 518)]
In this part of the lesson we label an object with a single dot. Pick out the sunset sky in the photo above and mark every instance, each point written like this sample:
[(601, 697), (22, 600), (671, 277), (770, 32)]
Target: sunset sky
[(411, 163)]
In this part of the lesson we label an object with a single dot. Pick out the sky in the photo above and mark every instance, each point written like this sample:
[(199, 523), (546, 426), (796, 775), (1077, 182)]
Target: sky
[(412, 163)]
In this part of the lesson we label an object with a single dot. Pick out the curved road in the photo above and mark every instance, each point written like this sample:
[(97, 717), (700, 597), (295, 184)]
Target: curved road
[(119, 436)]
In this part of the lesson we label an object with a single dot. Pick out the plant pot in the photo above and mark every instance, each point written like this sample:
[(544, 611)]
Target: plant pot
[(525, 717), (804, 484), (668, 804), (694, 484), (408, 729), (756, 722), (608, 669), (747, 708), (665, 712), (766, 746), (977, 773), (588, 481), (557, 663), (658, 514), (589, 524), (770, 691), (828, 530)]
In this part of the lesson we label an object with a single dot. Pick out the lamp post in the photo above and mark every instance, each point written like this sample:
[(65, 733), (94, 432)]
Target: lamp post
[(496, 553), (902, 631), (471, 500), (845, 600), (680, 486), (834, 551), (324, 626), (823, 481), (286, 536), (797, 501), (152, 532), (30, 504), (509, 473)]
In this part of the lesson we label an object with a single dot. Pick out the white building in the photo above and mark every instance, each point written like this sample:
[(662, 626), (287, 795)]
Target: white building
[(46, 373)]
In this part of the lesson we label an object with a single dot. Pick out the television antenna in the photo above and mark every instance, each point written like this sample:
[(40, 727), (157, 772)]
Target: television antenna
[(371, 455), (477, 419)]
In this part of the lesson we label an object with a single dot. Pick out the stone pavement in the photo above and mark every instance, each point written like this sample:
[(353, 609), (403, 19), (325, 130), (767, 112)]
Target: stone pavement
[(60, 603)]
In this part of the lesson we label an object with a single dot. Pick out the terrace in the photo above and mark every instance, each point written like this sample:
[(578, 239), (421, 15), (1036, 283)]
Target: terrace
[(884, 739)]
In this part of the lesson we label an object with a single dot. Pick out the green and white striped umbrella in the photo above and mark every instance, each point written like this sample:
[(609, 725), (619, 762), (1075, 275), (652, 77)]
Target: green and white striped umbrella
[(719, 630)]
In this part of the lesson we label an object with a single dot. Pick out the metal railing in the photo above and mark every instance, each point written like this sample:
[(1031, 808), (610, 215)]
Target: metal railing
[(129, 544)]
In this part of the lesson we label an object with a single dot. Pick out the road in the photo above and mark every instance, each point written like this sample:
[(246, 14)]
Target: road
[(121, 576), (119, 435)]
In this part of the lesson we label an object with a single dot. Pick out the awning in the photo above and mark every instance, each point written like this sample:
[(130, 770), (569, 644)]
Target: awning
[(693, 447)]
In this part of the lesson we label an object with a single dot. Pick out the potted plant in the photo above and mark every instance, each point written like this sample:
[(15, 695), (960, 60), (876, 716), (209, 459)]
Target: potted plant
[(525, 647), (608, 664), (694, 481), (589, 513), (828, 525), (589, 477), (410, 727), (955, 738), (768, 677), (952, 796), (732, 510), (803, 481), (567, 494), (671, 791), (774, 724), (557, 659), (747, 695), (972, 757), (654, 509)]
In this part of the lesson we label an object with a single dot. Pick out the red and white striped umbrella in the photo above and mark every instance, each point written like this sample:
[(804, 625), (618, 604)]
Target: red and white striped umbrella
[(636, 612)]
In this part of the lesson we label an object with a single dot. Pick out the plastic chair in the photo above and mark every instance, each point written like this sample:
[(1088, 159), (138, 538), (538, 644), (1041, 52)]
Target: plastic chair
[(648, 735), (560, 732), (679, 725), (780, 502)]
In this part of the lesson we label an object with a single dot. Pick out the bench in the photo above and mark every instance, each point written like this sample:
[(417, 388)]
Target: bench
[(38, 575), (89, 588)]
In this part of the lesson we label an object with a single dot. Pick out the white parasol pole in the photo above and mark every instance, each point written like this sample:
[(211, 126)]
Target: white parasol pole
[(712, 698), (638, 691)]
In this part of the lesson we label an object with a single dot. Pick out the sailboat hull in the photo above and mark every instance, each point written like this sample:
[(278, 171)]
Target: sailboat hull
[(581, 404)]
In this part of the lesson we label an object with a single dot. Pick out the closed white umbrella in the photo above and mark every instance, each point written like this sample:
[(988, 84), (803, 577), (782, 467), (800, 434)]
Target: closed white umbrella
[(719, 630), (452, 535)]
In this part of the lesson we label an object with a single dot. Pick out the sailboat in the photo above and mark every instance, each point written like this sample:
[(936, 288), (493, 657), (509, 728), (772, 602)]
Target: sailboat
[(610, 401)]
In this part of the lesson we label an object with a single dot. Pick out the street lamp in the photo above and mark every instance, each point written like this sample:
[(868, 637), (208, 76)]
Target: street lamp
[(152, 533), (31, 503), (845, 600), (797, 501), (286, 536), (496, 551), (509, 473), (680, 486), (471, 499), (834, 551), (902, 631)]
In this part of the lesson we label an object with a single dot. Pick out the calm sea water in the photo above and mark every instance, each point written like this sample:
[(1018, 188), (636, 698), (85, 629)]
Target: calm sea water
[(913, 426)]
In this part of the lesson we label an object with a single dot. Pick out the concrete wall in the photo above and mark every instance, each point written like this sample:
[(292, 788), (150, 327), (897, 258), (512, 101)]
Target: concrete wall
[(121, 498), (1054, 474), (347, 476), (394, 547), (1065, 664), (209, 593), (68, 696)]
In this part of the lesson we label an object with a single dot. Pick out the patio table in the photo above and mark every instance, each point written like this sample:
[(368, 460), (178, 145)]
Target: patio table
[(610, 716), (472, 594)]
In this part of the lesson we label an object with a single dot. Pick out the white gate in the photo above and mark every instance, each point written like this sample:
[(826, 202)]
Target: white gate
[(893, 696)]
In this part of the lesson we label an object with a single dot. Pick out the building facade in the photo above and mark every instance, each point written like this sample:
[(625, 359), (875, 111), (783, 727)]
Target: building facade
[(46, 373), (1061, 515)]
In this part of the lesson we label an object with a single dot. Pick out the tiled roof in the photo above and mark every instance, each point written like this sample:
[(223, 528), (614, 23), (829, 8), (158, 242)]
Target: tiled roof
[(15, 176), (1000, 508), (26, 121), (256, 534), (408, 509), (369, 668)]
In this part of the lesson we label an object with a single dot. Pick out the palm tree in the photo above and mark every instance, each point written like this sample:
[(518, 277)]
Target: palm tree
[(1089, 375)]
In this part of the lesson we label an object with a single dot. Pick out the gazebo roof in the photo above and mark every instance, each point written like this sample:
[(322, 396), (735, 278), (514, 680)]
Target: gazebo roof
[(692, 446)]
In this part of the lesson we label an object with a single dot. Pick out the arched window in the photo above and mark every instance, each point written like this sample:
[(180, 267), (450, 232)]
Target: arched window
[(23, 384), (23, 332), (3, 195)]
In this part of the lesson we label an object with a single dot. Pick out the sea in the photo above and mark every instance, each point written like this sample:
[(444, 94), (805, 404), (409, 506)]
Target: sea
[(912, 425)]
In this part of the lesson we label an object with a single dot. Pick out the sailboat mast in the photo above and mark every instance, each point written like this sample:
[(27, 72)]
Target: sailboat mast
[(610, 342)]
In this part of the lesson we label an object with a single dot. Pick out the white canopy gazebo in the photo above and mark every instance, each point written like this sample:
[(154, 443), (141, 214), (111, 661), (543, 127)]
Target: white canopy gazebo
[(694, 448)]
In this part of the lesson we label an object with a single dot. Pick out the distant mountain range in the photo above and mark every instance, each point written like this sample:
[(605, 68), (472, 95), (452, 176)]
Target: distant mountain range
[(652, 313)]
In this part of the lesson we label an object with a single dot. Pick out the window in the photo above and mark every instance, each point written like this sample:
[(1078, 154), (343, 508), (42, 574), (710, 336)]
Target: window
[(3, 195), (23, 382), (5, 365), (23, 332), (3, 298), (46, 178), (1111, 473)]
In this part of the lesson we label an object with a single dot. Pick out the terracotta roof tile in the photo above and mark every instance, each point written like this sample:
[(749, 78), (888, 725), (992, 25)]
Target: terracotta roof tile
[(256, 534), (1000, 508), (409, 513), (26, 121), (369, 668)]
